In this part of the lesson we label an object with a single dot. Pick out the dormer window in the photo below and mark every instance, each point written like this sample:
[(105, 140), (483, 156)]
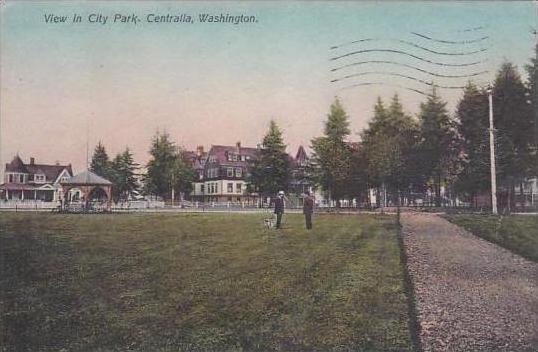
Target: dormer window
[(40, 178)]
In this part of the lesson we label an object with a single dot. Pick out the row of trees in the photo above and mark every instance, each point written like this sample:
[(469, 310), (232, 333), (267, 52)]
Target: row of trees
[(401, 154), (168, 173), (121, 171), (405, 155)]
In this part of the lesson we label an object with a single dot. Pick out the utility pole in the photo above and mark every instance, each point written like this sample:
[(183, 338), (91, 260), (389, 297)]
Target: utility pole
[(492, 154)]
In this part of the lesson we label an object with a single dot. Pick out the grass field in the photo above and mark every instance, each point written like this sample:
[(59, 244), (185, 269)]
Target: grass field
[(199, 282), (518, 233)]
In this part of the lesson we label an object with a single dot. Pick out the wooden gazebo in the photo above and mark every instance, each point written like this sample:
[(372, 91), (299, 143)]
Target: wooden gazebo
[(92, 188)]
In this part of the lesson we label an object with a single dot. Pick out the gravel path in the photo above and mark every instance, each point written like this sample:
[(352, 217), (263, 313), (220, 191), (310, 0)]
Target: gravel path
[(471, 295)]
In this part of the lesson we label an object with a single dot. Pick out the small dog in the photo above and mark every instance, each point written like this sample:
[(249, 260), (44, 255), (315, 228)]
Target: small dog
[(269, 223)]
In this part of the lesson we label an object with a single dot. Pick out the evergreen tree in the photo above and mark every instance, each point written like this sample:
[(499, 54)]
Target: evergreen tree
[(472, 113), (270, 171), (532, 71), (160, 168), (332, 155), (100, 164), (183, 174), (514, 123), (439, 149), (168, 171), (390, 145), (124, 170)]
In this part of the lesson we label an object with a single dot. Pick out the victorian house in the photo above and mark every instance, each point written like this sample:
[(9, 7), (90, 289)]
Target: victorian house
[(223, 178), (222, 174), (33, 181)]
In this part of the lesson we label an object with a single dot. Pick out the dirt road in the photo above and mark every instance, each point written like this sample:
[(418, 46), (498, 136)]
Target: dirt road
[(471, 295)]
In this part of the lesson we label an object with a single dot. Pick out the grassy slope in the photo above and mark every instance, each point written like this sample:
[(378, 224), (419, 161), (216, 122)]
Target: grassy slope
[(200, 282), (518, 233)]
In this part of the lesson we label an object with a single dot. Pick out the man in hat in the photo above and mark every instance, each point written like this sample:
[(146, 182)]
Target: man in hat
[(279, 208), (308, 209)]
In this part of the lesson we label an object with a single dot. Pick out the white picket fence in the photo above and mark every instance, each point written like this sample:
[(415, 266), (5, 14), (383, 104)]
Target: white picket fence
[(28, 204)]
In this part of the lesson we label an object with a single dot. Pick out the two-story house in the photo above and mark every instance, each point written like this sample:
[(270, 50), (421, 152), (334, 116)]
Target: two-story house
[(225, 172), (33, 181), (222, 174)]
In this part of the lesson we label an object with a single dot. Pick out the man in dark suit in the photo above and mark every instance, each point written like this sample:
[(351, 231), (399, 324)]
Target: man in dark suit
[(308, 209), (279, 208)]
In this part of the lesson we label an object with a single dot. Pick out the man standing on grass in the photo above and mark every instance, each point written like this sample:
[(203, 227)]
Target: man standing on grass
[(308, 209), (279, 208)]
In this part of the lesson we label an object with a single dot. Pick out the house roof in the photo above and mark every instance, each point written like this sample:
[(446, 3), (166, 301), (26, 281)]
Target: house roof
[(87, 178), (221, 154), (301, 153), (51, 172), (16, 165)]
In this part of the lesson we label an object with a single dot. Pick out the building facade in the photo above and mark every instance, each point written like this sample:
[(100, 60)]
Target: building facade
[(222, 174), (33, 181)]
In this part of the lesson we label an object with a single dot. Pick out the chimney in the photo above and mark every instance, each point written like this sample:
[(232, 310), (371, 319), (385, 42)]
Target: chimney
[(32, 161), (238, 145), (200, 150), (57, 163)]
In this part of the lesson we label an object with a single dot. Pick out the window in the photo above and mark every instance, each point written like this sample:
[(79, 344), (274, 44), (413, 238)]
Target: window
[(212, 172), (230, 187), (10, 178), (39, 178), (238, 187), (234, 157), (230, 172), (21, 178), (201, 188), (238, 172), (216, 188)]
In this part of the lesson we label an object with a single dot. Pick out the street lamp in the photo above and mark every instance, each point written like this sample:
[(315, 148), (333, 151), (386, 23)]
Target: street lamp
[(492, 153)]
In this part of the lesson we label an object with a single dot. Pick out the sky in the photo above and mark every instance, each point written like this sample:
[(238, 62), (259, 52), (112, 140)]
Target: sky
[(64, 86)]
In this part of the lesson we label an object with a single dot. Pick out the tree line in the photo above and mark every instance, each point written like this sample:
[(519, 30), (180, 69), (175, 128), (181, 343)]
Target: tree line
[(405, 155), (398, 155)]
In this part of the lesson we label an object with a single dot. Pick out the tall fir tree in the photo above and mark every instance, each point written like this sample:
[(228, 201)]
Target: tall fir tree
[(270, 171), (169, 173), (158, 179), (332, 155), (183, 174), (532, 83), (100, 164), (124, 169), (472, 115), (390, 145), (438, 150), (514, 123)]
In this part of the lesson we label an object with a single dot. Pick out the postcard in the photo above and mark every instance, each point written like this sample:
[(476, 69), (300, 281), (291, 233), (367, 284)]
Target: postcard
[(268, 176)]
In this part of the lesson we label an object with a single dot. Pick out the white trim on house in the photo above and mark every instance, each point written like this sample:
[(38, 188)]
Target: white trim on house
[(64, 172)]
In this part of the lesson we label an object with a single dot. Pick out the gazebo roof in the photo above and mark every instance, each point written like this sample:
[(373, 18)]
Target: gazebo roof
[(87, 178)]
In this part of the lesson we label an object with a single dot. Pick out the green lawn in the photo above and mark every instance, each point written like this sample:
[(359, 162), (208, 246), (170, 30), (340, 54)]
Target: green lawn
[(518, 233), (199, 282)]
